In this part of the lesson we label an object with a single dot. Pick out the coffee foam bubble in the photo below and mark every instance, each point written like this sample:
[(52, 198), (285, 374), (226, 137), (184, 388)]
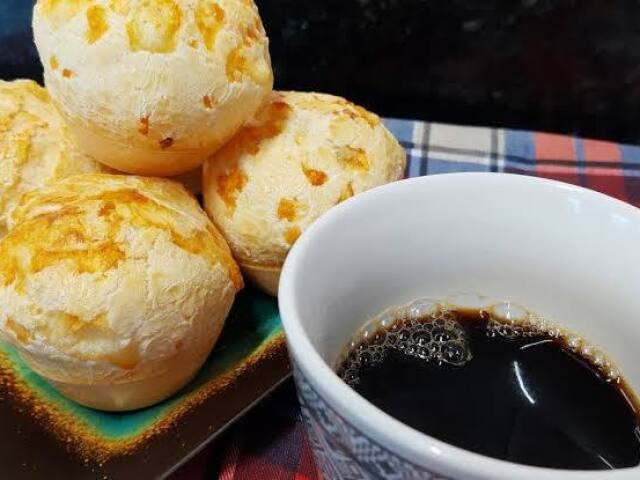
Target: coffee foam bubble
[(422, 329), (429, 330)]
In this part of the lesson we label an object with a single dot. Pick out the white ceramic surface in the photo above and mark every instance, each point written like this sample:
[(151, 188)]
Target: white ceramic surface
[(570, 254)]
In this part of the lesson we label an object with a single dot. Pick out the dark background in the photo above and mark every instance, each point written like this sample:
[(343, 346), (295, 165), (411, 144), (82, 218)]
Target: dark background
[(568, 66)]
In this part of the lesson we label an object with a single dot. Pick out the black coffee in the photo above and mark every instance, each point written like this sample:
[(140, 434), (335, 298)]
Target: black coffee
[(518, 393)]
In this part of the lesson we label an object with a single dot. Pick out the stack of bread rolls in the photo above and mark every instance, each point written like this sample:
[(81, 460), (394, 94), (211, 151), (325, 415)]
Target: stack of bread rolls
[(114, 283)]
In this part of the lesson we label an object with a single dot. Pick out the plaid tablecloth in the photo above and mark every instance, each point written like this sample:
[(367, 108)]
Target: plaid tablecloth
[(270, 443)]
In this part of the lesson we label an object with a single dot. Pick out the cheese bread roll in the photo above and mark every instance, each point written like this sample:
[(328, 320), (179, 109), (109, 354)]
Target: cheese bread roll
[(300, 156), (34, 145), (152, 87), (114, 288)]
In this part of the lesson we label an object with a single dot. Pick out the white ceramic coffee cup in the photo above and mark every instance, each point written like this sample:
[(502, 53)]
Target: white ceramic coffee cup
[(568, 253)]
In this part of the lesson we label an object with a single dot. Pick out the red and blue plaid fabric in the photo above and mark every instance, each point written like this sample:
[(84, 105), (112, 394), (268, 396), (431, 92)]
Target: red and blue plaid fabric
[(270, 443)]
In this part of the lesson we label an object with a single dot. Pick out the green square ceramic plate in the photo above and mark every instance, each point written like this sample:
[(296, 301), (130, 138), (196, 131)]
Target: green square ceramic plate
[(42, 434)]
